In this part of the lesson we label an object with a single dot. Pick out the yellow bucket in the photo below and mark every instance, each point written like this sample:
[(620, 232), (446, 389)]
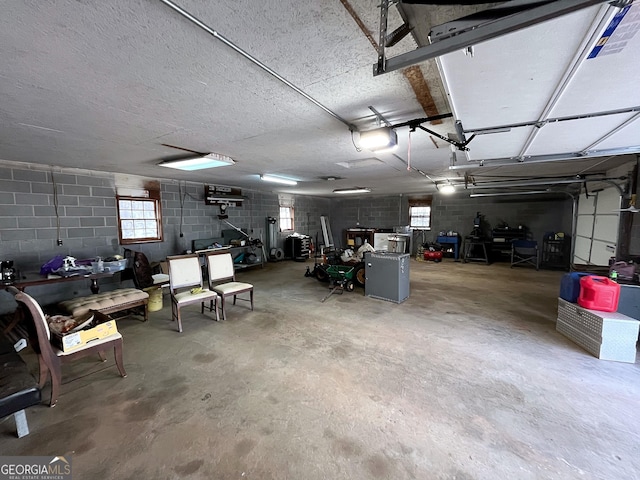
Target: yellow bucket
[(155, 298)]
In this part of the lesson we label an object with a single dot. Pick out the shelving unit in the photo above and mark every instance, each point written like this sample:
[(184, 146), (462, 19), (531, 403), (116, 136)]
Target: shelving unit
[(296, 247), (235, 251), (247, 250), (355, 237), (555, 253), (502, 238)]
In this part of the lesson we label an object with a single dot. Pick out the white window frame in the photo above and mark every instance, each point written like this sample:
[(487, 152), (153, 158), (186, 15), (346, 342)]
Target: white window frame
[(146, 220), (286, 219), (413, 216)]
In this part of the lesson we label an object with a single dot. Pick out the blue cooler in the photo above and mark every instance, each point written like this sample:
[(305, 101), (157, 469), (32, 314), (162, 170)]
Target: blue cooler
[(570, 286)]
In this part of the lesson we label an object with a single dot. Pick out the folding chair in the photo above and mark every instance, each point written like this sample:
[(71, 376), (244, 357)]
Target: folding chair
[(525, 252)]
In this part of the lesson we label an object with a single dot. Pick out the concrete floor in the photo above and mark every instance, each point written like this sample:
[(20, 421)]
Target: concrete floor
[(467, 379)]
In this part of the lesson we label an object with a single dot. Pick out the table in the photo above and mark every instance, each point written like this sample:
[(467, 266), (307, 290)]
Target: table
[(36, 280), (455, 241), (476, 246)]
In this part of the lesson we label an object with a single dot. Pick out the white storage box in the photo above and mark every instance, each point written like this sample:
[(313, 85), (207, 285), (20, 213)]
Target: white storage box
[(606, 335)]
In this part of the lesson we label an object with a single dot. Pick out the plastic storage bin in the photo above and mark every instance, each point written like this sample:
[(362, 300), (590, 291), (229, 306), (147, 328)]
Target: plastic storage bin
[(115, 266), (570, 286), (599, 293)]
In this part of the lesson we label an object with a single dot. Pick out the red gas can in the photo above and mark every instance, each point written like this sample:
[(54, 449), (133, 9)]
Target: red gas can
[(599, 293), (435, 256)]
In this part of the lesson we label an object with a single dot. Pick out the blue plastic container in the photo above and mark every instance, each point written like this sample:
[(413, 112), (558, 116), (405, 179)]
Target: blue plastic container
[(570, 286)]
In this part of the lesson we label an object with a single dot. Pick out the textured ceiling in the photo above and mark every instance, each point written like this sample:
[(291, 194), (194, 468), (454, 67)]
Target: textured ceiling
[(106, 85)]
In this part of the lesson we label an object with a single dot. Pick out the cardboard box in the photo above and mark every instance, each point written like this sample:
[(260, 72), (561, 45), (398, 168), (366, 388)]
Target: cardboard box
[(74, 341)]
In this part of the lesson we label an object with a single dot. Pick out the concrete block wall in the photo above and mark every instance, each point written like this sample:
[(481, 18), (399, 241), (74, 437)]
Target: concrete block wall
[(452, 212), (86, 211), (367, 212), (88, 221), (307, 213), (456, 212)]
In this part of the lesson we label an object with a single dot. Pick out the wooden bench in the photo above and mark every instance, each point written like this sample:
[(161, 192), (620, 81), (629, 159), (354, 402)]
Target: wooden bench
[(108, 302)]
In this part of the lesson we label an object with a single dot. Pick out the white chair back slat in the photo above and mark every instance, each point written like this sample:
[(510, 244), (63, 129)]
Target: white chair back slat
[(220, 267), (184, 272)]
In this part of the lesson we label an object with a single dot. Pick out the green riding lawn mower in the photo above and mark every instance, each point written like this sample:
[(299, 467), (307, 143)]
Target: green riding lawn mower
[(341, 275)]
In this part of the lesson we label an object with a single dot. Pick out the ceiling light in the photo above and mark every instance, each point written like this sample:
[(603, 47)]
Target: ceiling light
[(211, 160), (378, 139), (352, 190), (275, 179), (447, 189)]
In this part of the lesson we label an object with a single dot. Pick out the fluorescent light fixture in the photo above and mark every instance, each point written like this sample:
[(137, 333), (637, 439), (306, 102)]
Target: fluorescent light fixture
[(276, 179), (352, 190), (211, 160), (447, 189), (379, 139), (228, 198)]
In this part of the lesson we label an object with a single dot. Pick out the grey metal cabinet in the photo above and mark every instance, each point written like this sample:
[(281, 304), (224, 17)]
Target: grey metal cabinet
[(387, 276)]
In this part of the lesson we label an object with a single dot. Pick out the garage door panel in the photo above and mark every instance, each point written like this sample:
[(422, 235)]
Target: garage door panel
[(605, 228), (584, 226), (597, 226), (582, 249), (586, 206), (608, 201), (601, 252)]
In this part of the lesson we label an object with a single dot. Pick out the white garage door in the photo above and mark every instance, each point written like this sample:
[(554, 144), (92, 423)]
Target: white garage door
[(597, 227)]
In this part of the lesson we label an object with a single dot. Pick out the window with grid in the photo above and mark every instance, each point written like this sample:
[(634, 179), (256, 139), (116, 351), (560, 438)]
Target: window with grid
[(286, 218), (420, 217), (139, 220)]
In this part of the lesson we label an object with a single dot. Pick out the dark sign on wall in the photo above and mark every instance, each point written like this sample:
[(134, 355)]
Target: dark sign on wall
[(221, 195)]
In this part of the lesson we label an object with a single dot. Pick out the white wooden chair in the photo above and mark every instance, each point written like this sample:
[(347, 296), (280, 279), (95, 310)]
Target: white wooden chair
[(222, 280), (185, 277)]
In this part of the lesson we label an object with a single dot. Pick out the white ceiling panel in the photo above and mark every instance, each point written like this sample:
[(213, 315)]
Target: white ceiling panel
[(629, 136), (498, 145), (574, 135), (526, 80), (608, 80), (510, 79)]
